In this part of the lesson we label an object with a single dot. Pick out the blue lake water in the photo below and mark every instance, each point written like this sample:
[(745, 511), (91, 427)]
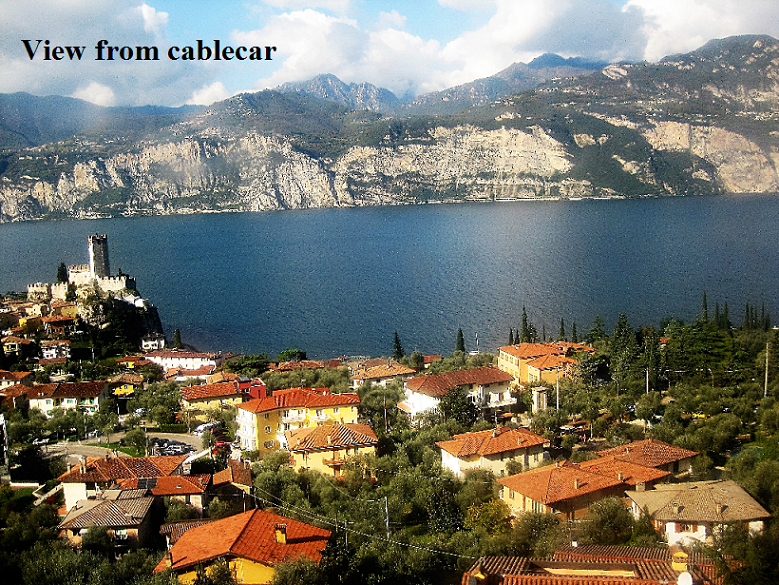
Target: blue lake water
[(341, 281)]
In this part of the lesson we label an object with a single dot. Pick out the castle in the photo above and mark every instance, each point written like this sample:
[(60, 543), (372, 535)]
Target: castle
[(82, 276)]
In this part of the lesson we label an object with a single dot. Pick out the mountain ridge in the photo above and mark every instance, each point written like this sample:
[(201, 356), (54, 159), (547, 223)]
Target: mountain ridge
[(704, 122)]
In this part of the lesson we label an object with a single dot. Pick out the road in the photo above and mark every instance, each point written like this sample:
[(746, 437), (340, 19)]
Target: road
[(90, 447)]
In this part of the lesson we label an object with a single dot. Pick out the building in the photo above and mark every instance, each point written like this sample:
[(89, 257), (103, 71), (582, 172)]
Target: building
[(196, 401), (524, 361), (262, 422), (486, 387), (563, 488), (94, 475), (192, 490), (55, 348), (98, 256), (171, 359), (654, 453), (8, 379), (127, 517), (252, 544), (698, 510), (633, 475), (378, 371), (595, 565), (85, 396), (326, 448), (124, 385), (491, 450), (153, 342)]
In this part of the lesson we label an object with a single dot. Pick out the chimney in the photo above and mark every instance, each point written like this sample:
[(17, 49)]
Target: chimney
[(329, 439), (576, 483), (281, 533), (168, 559), (720, 508), (620, 476), (677, 508), (641, 486)]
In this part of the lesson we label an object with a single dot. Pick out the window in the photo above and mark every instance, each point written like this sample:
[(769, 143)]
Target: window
[(286, 426), (320, 413), (267, 430), (269, 444), (267, 416), (684, 527), (336, 410)]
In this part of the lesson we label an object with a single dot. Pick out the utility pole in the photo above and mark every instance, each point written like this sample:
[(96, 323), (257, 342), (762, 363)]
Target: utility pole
[(767, 344), (647, 380), (386, 515), (557, 404)]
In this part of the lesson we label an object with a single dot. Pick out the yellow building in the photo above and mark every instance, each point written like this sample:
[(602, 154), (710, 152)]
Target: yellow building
[(262, 422), (252, 544), (197, 400), (517, 359), (327, 448)]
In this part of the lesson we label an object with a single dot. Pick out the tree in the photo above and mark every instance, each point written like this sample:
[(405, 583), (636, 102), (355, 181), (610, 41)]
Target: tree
[(291, 355), (704, 309), (511, 336), (455, 405), (608, 522), (416, 360), (574, 334), (136, 438), (397, 348), (460, 343), (62, 273), (561, 335), (597, 331), (177, 338), (524, 335)]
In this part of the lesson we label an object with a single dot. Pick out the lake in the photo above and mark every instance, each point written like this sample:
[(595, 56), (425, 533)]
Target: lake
[(342, 281)]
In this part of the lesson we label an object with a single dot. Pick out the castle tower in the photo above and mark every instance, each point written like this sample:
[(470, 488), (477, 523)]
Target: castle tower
[(98, 256)]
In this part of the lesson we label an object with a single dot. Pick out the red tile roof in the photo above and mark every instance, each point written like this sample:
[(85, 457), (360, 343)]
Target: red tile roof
[(551, 362), (649, 452), (555, 483), (169, 485), (533, 350), (440, 384), (300, 398), (207, 391), (490, 442), (330, 437), (100, 469), (387, 369), (632, 473), (251, 535), (236, 472), (67, 390)]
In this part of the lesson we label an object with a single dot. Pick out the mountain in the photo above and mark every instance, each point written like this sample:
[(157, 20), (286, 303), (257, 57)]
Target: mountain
[(355, 96), (516, 78), (703, 122)]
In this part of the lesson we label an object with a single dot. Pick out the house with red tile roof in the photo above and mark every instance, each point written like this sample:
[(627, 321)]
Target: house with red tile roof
[(85, 396), (326, 448), (563, 488), (184, 375), (634, 475), (171, 359), (262, 422), (188, 489), (252, 544), (196, 401), (96, 474), (654, 453), (486, 387), (595, 565), (491, 450), (132, 362), (378, 371), (55, 348), (517, 359), (8, 379)]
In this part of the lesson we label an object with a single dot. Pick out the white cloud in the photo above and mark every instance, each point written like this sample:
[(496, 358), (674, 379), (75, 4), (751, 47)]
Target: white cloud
[(466, 4), (678, 26), (153, 21), (335, 6), (98, 94), (392, 19), (209, 94)]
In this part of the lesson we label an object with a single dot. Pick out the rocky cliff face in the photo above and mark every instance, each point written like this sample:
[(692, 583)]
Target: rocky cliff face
[(256, 172), (704, 122)]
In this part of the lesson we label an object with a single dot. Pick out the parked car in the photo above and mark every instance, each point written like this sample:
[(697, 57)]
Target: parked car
[(200, 429)]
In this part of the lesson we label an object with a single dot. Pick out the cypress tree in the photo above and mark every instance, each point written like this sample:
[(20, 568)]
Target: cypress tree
[(62, 273), (397, 351), (561, 336), (574, 335), (704, 309), (511, 336), (524, 336), (460, 343), (176, 338)]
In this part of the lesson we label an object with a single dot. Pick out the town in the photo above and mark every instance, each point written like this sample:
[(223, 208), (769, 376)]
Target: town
[(643, 455)]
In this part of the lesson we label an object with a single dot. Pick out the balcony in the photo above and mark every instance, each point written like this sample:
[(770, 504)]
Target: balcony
[(293, 416)]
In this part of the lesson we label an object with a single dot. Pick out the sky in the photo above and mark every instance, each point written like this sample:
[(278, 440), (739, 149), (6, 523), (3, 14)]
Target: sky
[(410, 47)]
